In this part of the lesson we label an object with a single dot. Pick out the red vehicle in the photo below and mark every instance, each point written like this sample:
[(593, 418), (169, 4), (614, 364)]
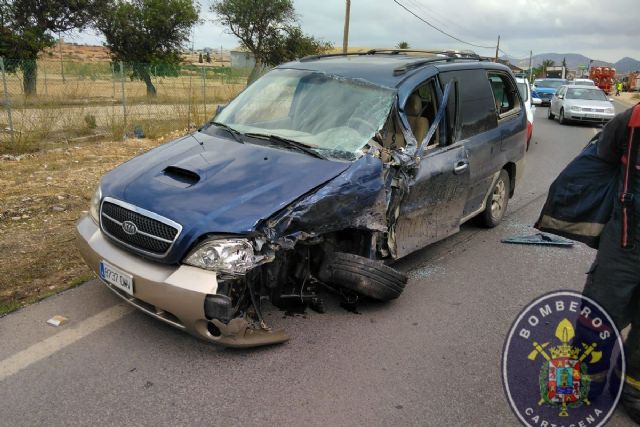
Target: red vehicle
[(603, 77)]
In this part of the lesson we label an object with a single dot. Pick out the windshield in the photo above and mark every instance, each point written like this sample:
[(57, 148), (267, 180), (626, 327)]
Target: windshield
[(589, 94), (524, 93), (332, 115), (555, 84), (584, 82)]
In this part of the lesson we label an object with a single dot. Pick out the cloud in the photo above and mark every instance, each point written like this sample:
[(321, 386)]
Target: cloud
[(604, 30)]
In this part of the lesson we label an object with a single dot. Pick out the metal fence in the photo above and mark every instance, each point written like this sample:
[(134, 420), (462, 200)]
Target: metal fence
[(75, 101)]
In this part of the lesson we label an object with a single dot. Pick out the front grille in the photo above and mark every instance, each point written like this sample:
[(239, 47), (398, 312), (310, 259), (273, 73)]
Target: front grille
[(154, 234)]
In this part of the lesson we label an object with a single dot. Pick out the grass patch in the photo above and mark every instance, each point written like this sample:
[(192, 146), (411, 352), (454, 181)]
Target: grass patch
[(43, 194)]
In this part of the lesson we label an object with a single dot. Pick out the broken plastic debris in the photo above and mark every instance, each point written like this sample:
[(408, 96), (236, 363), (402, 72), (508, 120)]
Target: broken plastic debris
[(538, 239), (57, 321)]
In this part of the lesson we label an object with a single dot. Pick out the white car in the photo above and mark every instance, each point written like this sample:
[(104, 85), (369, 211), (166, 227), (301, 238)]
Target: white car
[(581, 104), (529, 103)]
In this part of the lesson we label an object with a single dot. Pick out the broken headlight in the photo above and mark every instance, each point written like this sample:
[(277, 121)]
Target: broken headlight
[(234, 256), (94, 208)]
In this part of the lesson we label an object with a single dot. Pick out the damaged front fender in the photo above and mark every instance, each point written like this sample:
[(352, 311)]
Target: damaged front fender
[(356, 199)]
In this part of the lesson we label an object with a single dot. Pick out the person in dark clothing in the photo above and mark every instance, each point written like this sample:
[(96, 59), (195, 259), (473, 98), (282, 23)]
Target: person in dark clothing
[(614, 278)]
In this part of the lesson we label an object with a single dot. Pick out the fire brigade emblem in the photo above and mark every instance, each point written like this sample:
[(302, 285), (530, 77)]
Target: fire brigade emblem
[(564, 375), (562, 361)]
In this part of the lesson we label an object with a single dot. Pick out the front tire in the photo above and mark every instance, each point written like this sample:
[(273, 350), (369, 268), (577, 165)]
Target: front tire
[(367, 277), (496, 204), (561, 118), (550, 115)]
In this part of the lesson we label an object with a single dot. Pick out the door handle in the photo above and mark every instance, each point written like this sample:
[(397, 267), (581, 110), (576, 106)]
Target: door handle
[(460, 167)]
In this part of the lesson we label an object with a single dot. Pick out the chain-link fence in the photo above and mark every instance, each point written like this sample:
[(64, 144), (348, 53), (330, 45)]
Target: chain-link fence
[(75, 101)]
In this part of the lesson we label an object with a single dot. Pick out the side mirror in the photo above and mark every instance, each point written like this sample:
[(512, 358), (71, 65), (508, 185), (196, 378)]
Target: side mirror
[(560, 96), (610, 99), (536, 101)]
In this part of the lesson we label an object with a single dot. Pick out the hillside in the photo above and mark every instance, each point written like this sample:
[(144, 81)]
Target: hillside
[(573, 60), (626, 65), (74, 52)]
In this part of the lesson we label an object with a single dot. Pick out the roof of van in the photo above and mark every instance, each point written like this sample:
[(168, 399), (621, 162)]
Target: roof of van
[(384, 69)]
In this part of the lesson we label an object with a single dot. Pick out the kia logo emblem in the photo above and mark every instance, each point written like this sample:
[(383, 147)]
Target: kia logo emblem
[(129, 227)]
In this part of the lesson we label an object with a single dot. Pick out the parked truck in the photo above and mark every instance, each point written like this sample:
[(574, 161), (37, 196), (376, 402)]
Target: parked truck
[(558, 72), (603, 77)]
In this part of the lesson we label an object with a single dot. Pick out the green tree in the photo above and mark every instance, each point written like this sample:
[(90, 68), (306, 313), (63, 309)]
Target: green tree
[(28, 27), (148, 33), (403, 45), (200, 60), (208, 58), (292, 44), (267, 29)]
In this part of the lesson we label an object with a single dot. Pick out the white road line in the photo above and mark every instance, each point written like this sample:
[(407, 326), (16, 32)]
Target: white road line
[(35, 353)]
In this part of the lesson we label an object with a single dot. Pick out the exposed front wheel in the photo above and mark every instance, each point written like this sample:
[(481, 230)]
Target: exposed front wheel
[(497, 201), (362, 275)]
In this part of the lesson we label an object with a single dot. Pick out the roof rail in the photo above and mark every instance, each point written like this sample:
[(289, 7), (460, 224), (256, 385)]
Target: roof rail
[(437, 55)]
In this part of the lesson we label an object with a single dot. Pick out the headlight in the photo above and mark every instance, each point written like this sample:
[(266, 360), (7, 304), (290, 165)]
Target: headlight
[(609, 110), (575, 108), (233, 256), (94, 209)]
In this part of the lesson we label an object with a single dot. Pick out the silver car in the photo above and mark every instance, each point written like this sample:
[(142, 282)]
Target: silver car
[(581, 103)]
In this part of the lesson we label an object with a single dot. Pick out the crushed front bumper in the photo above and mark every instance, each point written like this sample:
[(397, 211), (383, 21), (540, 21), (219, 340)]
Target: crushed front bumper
[(174, 294)]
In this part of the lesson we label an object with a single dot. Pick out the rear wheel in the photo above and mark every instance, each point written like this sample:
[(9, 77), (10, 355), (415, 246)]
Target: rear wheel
[(550, 115), (362, 275), (497, 201)]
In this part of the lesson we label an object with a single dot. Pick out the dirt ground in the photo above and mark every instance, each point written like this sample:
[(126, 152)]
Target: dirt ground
[(41, 197), (629, 98)]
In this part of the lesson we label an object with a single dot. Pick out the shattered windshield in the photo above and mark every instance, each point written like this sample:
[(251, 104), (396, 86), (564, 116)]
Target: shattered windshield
[(332, 115)]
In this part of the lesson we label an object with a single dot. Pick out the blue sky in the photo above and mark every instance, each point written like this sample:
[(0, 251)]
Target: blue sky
[(606, 30)]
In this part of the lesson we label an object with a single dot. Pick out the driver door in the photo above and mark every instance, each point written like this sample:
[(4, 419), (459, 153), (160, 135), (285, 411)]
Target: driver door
[(434, 205)]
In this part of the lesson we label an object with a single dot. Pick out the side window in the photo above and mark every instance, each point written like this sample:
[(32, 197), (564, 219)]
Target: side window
[(504, 94), (475, 103), (421, 109)]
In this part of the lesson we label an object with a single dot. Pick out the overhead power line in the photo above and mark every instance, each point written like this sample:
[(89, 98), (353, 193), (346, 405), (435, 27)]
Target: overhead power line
[(440, 30)]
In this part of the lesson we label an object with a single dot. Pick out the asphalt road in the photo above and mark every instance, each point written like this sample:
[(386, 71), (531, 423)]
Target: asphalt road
[(432, 357)]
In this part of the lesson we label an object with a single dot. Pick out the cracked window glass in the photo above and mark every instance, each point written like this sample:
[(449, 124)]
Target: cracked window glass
[(332, 115)]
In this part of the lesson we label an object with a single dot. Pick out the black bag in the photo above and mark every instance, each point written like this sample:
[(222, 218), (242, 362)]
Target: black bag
[(580, 200), (582, 197)]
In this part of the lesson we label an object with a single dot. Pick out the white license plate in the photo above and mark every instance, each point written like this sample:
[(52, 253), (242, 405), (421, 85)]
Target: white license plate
[(116, 277)]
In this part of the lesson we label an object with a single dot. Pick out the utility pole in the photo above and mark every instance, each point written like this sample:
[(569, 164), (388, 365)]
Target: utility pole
[(530, 70), (345, 37), (497, 49)]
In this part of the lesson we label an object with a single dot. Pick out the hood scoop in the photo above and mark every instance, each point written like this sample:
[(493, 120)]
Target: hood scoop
[(178, 177)]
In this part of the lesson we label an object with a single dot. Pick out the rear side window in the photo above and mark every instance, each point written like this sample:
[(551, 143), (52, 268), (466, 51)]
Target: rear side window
[(504, 94), (476, 105)]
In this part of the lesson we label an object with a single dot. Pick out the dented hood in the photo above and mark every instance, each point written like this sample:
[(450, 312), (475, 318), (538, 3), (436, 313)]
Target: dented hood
[(215, 185)]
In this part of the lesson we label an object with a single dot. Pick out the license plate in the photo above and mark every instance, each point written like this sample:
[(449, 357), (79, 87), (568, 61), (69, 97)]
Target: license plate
[(116, 277)]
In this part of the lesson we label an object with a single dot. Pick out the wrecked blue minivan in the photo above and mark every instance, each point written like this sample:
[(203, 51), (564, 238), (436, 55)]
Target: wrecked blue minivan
[(320, 174)]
